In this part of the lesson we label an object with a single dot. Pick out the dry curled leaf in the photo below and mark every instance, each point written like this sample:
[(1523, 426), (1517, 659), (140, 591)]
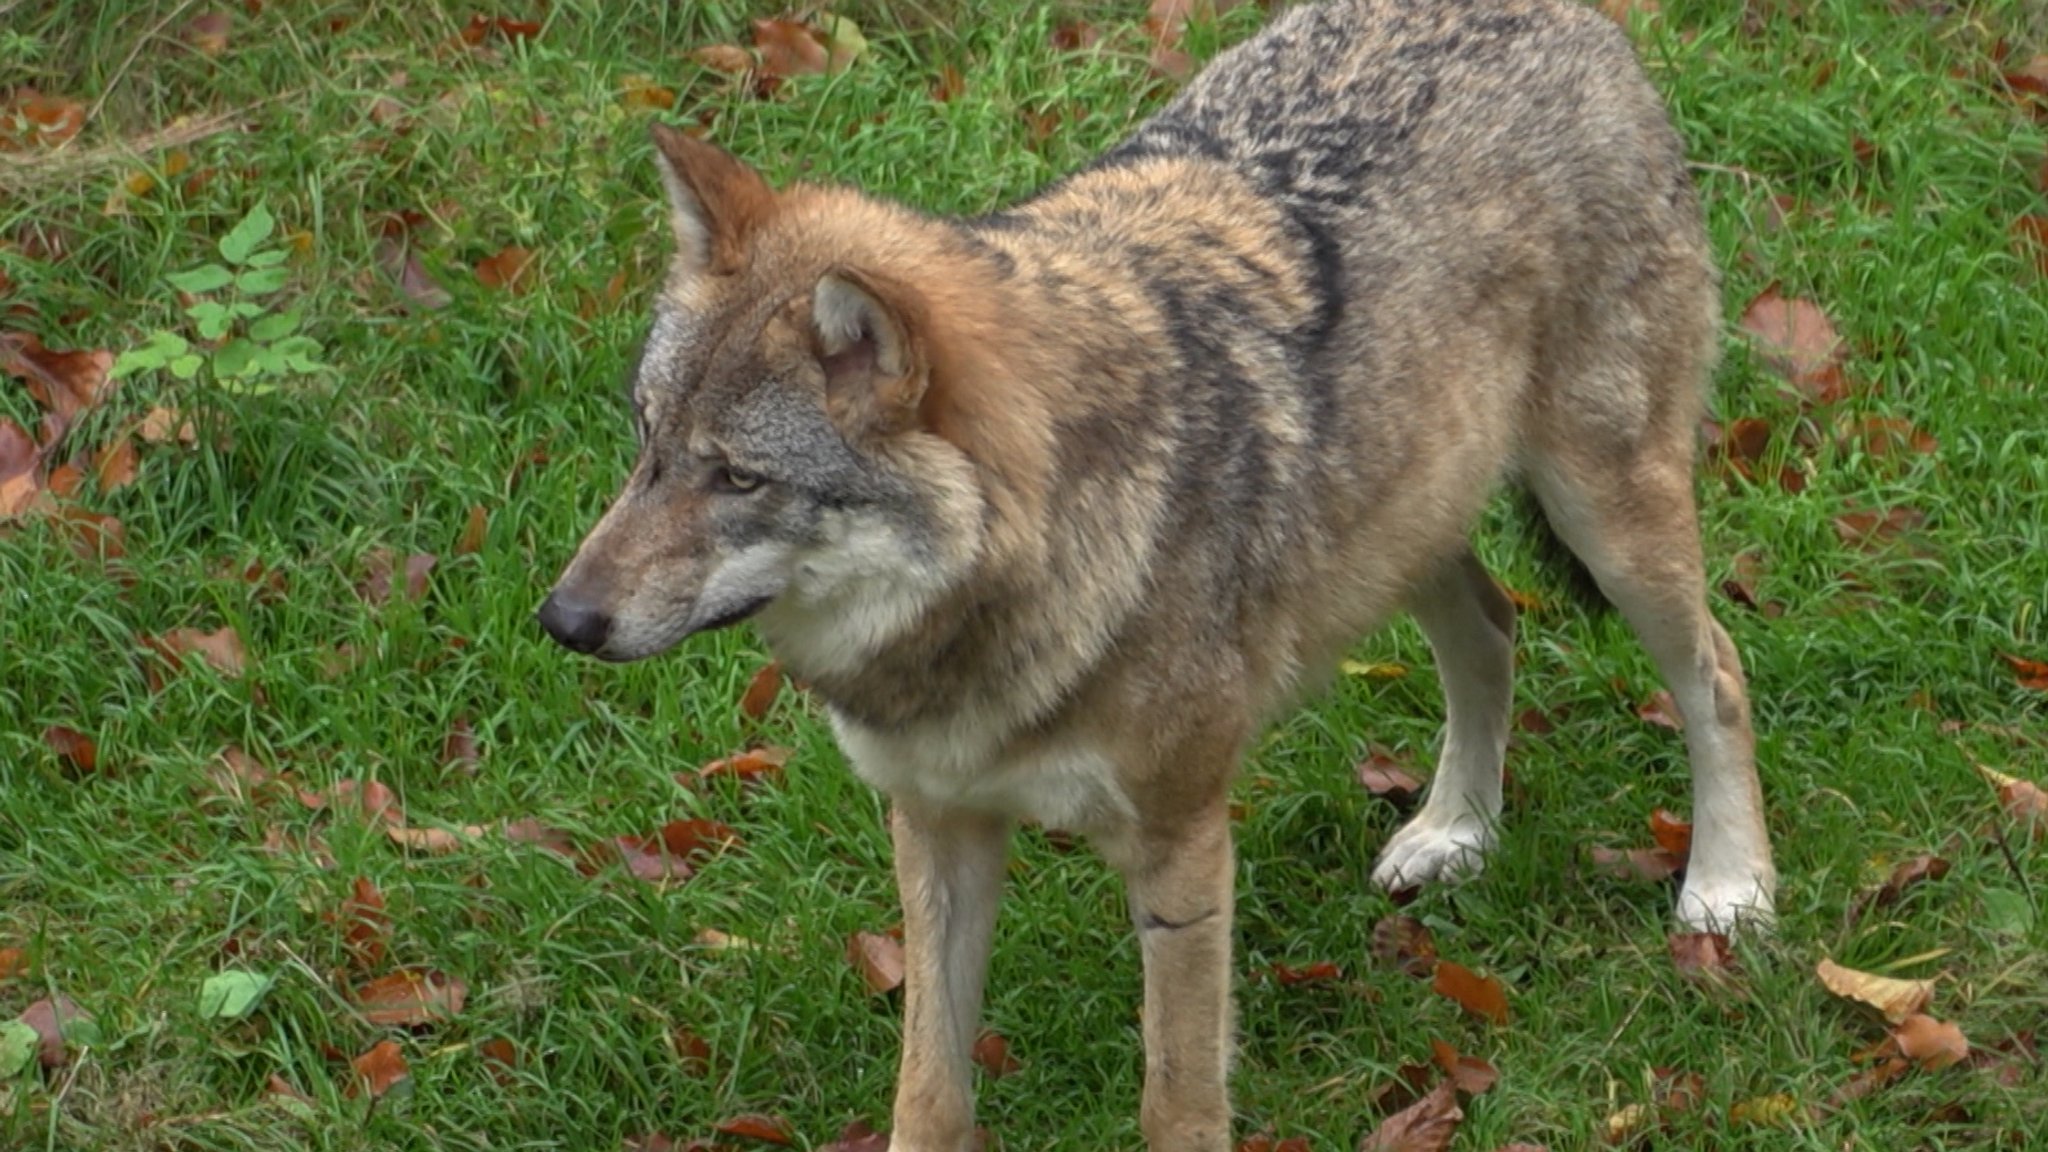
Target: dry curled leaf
[(1482, 996), (858, 1137), (472, 539), (762, 691), (1672, 834), (1469, 1074), (1383, 776), (1869, 529), (1799, 342), (411, 996), (878, 959), (364, 924), (13, 963), (371, 800), (221, 649), (790, 48), (65, 383), (730, 59), (1896, 999), (992, 1052), (75, 747), (2033, 674), (754, 1126), (1404, 943), (1320, 972), (1930, 1043), (507, 269), (673, 853), (1701, 957), (1649, 865), (1424, 1126), (379, 1069), (29, 119)]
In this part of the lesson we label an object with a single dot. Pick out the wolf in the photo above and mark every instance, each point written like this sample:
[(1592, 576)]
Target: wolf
[(1054, 507)]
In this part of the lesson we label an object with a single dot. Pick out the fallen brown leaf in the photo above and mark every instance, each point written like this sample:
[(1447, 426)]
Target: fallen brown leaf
[(43, 121), (673, 853), (75, 747), (762, 691), (992, 1052), (751, 767), (754, 1126), (1469, 1074), (1701, 957), (1482, 996), (790, 48), (1662, 711), (506, 270), (395, 255), (379, 1069), (1903, 876), (730, 59), (858, 1137), (472, 539), (458, 748), (1424, 1126), (437, 841), (1773, 1111), (2033, 674), (691, 1051), (208, 33), (114, 466), (371, 800), (64, 383), (1320, 972), (411, 996), (1672, 834), (364, 924), (1646, 864), (878, 959), (1404, 943), (221, 649), (1930, 1043), (1799, 342), (1866, 529), (13, 963), (51, 1018), (1896, 999), (1383, 776)]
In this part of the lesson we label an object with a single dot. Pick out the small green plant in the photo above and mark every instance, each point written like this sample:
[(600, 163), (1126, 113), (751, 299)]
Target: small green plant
[(261, 347)]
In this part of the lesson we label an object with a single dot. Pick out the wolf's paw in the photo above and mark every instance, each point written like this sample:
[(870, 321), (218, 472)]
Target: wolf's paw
[(1731, 904), (1428, 849)]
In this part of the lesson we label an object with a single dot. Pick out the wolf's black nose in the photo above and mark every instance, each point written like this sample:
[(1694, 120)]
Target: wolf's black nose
[(574, 625)]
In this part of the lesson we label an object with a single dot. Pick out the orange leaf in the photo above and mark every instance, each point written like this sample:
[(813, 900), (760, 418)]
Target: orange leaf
[(379, 1069), (753, 1126), (1798, 341), (163, 425), (13, 963), (1671, 834), (279, 1086), (1931, 1043), (730, 59), (506, 270), (411, 996), (790, 48), (1701, 957), (1320, 972), (221, 648), (754, 766), (1404, 942), (762, 691), (2033, 674), (879, 960), (46, 121), (1660, 710), (1480, 995), (438, 841), (1869, 529), (692, 1051), (114, 466), (1469, 1074), (372, 800), (472, 539), (1424, 1126), (672, 854), (2030, 235), (50, 1018), (458, 748), (992, 1052), (74, 746), (364, 924)]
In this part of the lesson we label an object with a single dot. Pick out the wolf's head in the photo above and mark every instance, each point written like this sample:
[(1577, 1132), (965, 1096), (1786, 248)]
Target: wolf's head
[(783, 407)]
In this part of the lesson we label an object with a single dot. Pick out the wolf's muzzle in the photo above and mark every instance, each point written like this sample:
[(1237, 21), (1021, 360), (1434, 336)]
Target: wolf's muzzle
[(574, 625)]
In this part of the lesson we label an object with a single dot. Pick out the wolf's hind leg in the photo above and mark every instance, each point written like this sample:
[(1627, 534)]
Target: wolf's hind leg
[(1470, 625)]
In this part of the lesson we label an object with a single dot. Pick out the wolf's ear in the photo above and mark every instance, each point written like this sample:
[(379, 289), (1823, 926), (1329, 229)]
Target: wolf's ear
[(871, 345), (715, 200)]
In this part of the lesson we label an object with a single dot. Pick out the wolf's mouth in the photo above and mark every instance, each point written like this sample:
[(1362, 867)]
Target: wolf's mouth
[(728, 619)]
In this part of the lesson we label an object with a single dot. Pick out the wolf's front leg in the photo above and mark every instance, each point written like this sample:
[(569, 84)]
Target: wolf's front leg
[(949, 872), (1180, 882)]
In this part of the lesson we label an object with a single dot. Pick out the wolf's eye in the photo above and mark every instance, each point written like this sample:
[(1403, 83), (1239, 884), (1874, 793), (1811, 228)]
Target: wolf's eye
[(731, 479)]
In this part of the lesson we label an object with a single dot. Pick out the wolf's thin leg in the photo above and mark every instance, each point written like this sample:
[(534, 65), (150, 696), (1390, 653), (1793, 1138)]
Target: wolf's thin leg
[(949, 872), (1471, 628)]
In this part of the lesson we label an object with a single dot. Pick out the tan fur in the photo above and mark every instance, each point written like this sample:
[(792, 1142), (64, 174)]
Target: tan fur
[(1055, 508)]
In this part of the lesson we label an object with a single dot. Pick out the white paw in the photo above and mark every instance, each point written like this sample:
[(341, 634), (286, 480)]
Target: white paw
[(1728, 904), (1430, 849)]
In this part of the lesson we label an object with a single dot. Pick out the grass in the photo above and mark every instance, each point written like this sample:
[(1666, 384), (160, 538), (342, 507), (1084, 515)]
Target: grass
[(1877, 688)]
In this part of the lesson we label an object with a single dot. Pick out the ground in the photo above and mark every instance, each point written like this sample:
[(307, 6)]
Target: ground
[(1871, 160)]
